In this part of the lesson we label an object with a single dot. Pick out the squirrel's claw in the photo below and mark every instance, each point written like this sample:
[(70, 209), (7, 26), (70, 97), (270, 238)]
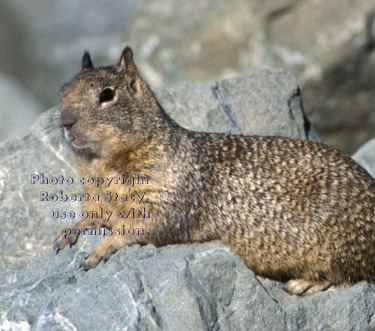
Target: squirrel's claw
[(62, 240)]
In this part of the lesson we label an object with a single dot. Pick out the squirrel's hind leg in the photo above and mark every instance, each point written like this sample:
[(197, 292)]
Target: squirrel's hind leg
[(305, 287)]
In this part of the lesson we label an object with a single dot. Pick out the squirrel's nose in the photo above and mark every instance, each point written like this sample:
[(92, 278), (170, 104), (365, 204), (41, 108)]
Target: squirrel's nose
[(68, 119)]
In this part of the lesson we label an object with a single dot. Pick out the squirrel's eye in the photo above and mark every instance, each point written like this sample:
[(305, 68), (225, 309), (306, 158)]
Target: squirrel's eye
[(106, 95)]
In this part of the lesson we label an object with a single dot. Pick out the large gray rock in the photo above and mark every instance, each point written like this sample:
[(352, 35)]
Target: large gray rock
[(179, 287), (365, 156), (265, 103)]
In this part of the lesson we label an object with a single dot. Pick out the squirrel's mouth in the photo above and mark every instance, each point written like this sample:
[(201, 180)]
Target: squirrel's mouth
[(79, 143), (75, 138)]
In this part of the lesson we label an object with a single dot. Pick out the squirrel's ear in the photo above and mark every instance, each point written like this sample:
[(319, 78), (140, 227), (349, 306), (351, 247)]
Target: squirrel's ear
[(128, 66), (126, 59), (86, 62)]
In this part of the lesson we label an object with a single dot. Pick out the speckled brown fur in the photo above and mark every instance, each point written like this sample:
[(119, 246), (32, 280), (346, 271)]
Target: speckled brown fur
[(295, 211)]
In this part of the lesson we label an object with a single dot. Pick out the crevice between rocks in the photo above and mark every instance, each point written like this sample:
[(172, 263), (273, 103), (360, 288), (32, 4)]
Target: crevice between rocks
[(224, 103), (202, 294), (274, 300)]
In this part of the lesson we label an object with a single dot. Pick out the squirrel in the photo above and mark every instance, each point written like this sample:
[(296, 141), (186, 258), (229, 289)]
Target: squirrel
[(295, 211)]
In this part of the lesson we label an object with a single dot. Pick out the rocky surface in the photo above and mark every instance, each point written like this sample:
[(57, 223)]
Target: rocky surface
[(179, 287), (328, 47), (366, 156)]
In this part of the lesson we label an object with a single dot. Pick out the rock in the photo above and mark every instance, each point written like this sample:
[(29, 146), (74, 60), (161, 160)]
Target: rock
[(365, 156), (267, 103), (18, 108), (238, 105), (177, 287)]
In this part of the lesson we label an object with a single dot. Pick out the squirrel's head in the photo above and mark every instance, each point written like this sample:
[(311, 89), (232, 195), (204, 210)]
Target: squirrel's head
[(108, 108)]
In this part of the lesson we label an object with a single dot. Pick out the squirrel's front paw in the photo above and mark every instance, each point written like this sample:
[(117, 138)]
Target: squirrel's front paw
[(66, 236), (91, 262), (100, 253)]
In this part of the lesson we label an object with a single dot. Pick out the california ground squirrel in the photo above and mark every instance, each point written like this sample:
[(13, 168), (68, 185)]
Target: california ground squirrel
[(295, 211)]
